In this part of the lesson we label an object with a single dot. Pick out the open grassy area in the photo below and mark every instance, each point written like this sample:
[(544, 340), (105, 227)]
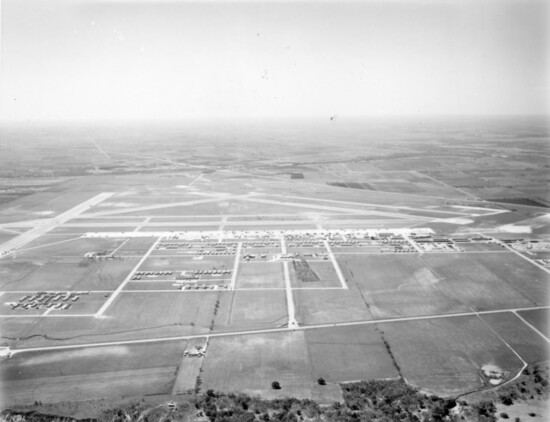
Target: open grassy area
[(92, 372), (397, 285), (252, 275), (326, 306), (254, 309), (539, 318), (530, 345), (342, 354), (313, 274), (490, 280), (64, 274), (250, 363), (447, 354)]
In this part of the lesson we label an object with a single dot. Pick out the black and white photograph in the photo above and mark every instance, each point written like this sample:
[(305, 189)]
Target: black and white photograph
[(274, 210)]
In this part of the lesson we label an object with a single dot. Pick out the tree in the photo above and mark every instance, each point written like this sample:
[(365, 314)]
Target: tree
[(321, 381), (275, 385)]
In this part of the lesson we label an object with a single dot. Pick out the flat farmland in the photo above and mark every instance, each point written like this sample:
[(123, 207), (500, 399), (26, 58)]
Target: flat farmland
[(311, 274), (158, 314), (254, 275), (327, 306), (250, 363), (446, 355), (352, 353), (490, 280), (64, 274), (141, 369), (539, 318), (527, 343), (254, 309), (397, 285)]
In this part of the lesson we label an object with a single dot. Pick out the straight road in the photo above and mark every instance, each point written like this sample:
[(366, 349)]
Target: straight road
[(336, 266), (113, 296), (292, 323), (269, 330)]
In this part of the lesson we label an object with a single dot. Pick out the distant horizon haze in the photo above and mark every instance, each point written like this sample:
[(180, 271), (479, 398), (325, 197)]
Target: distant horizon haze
[(129, 61)]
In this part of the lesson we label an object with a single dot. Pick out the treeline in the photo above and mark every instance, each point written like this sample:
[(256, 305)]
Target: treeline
[(376, 401)]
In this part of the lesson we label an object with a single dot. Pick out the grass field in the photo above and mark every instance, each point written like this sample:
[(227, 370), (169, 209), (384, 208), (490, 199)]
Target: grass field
[(397, 285), (349, 353), (446, 355), (317, 274), (530, 345), (250, 309), (252, 275), (176, 263), (490, 280), (539, 318), (326, 306), (136, 246), (481, 247), (93, 373), (66, 274), (249, 364)]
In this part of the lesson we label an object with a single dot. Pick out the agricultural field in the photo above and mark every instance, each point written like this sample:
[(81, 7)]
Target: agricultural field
[(258, 360), (449, 355), (260, 275), (236, 257)]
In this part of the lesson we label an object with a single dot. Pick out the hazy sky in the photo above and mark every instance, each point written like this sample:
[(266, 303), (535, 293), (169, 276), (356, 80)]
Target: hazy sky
[(84, 59)]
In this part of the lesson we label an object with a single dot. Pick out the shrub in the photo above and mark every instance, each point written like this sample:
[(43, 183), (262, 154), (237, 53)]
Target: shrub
[(504, 415), (321, 381), (275, 385)]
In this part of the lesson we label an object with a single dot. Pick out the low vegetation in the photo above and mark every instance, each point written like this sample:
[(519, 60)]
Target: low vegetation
[(380, 401), (304, 272)]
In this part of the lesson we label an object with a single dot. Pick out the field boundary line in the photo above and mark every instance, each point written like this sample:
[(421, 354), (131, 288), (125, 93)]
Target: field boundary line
[(532, 326), (113, 296)]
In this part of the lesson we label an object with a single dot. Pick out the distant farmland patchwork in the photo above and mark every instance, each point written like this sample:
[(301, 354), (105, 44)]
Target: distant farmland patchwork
[(288, 289)]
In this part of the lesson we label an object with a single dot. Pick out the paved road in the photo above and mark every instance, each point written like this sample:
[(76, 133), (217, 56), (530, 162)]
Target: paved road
[(113, 296), (270, 330)]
